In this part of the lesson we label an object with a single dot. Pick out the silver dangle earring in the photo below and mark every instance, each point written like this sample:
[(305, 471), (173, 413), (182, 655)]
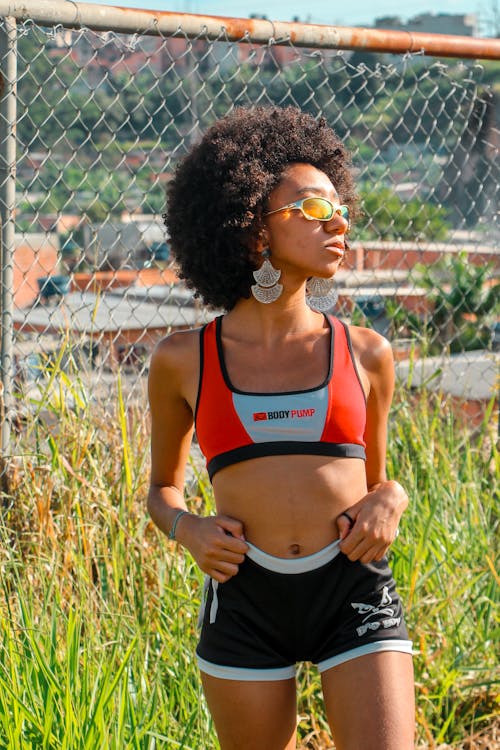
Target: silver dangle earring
[(267, 289), (321, 294)]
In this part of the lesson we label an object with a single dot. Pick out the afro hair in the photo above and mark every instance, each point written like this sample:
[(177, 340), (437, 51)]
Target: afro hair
[(219, 191)]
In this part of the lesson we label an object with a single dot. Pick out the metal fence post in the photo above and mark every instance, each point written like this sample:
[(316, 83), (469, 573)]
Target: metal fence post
[(8, 56)]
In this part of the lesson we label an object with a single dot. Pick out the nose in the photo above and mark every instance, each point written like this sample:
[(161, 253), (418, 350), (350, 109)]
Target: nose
[(337, 224)]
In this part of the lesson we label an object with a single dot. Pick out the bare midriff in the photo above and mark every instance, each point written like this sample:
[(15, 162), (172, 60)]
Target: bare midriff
[(288, 505)]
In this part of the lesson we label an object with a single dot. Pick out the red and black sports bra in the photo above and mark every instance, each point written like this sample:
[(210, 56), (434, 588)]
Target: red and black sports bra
[(233, 425)]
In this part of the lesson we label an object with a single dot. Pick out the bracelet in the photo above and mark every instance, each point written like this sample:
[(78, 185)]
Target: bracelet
[(179, 515)]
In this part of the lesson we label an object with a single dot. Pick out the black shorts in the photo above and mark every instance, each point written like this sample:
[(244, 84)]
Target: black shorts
[(276, 611)]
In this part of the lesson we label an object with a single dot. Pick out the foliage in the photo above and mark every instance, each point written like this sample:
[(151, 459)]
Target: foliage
[(387, 216), (464, 303), (491, 73), (91, 111), (98, 610)]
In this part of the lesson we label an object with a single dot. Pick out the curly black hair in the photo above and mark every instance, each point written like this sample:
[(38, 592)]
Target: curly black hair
[(218, 194)]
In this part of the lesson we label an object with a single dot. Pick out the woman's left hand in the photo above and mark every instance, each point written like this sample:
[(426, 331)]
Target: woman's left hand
[(375, 520)]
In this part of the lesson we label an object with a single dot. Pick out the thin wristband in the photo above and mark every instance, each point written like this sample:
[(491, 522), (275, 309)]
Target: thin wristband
[(179, 515)]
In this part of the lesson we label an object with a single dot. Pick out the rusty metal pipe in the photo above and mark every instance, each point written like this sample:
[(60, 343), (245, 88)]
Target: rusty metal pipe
[(125, 20)]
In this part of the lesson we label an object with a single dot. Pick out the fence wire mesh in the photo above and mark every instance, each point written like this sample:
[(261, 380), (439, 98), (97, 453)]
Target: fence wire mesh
[(102, 119)]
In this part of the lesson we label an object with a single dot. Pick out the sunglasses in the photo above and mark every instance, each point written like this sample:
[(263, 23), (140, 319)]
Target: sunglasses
[(316, 209)]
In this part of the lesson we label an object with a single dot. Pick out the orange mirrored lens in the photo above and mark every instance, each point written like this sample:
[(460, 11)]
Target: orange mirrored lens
[(318, 208)]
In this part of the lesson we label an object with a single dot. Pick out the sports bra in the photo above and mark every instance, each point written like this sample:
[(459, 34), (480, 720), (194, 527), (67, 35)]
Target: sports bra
[(234, 425)]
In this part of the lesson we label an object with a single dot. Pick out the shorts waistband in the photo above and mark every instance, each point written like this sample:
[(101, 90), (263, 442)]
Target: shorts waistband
[(293, 565)]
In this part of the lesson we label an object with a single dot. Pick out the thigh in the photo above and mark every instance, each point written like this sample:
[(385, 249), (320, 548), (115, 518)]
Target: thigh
[(370, 702), (252, 715)]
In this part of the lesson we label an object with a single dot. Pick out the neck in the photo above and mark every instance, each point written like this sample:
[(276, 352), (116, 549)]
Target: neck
[(288, 315)]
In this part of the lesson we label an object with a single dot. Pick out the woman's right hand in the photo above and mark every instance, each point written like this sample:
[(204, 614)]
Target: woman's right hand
[(217, 543)]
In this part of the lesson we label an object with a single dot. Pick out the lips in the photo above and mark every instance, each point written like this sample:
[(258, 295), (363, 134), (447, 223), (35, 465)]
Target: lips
[(334, 248)]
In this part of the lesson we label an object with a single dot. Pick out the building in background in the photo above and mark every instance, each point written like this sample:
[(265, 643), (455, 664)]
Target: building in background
[(432, 23)]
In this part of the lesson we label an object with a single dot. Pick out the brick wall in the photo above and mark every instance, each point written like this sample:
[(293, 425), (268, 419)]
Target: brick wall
[(35, 256)]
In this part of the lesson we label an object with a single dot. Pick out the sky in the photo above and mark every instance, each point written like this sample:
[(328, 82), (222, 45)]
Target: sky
[(357, 13)]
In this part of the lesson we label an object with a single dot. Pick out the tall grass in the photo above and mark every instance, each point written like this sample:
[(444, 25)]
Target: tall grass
[(98, 611)]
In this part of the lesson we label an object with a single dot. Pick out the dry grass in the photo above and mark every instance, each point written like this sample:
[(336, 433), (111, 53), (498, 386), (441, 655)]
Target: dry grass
[(98, 610), (488, 739)]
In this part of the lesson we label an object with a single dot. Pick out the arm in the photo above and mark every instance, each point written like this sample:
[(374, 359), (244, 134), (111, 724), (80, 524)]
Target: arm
[(215, 542), (376, 516)]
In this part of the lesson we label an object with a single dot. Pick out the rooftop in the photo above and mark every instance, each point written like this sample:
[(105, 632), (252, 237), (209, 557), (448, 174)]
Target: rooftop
[(87, 312)]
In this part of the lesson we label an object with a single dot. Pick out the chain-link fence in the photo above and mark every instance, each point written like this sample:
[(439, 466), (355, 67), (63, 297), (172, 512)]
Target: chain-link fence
[(101, 118)]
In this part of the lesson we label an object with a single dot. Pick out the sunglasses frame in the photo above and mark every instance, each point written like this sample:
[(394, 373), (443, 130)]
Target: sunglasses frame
[(336, 209)]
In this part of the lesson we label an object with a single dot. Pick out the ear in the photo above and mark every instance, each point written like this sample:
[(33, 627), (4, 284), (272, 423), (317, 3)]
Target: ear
[(262, 242)]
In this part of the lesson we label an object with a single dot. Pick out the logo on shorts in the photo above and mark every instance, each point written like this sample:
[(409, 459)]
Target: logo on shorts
[(369, 611)]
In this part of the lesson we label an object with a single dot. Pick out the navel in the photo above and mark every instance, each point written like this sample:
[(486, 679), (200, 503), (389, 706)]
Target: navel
[(294, 549)]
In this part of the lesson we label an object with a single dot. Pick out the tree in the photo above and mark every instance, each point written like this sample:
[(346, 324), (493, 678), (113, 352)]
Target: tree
[(387, 216), (464, 305), (464, 302)]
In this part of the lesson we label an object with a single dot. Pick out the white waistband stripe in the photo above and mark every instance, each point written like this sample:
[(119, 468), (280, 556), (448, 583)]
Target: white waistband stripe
[(293, 565)]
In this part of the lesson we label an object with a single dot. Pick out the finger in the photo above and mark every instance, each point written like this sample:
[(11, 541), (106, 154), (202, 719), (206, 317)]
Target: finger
[(228, 556), (344, 525), (380, 556), (224, 571), (384, 549), (232, 525), (367, 552), (218, 576), (374, 554), (355, 548), (227, 541), (354, 538)]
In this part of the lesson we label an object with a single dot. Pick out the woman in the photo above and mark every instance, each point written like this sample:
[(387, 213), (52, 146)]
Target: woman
[(290, 408)]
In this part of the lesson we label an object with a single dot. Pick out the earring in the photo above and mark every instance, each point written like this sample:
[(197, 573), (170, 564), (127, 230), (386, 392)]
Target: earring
[(321, 294), (267, 288)]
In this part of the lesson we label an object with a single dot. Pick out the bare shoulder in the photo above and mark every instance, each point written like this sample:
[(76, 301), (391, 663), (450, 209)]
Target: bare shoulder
[(175, 363), (372, 350), (173, 350)]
